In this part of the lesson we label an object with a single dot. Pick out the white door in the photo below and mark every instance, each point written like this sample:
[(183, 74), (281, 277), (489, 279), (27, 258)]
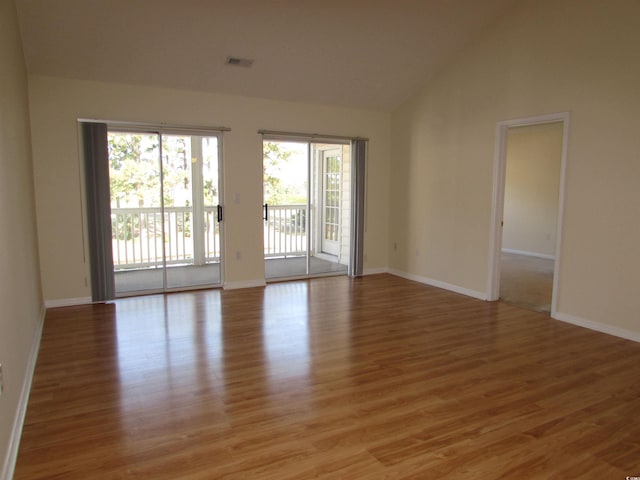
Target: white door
[(330, 208)]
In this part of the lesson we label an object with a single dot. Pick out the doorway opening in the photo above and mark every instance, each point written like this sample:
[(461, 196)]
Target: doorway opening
[(528, 199), (165, 210), (307, 208)]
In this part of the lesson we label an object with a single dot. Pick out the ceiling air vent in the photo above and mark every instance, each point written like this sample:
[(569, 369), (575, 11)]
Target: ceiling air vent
[(239, 62)]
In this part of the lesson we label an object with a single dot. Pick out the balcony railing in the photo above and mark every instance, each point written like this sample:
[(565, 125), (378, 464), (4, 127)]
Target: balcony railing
[(285, 231), (138, 241)]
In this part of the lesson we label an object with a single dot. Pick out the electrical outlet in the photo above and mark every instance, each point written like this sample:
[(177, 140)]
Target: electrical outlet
[(1, 381)]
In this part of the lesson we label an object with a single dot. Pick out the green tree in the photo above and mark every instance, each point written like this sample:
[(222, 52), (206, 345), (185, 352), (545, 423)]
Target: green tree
[(274, 158), (133, 172), (176, 173), (276, 192)]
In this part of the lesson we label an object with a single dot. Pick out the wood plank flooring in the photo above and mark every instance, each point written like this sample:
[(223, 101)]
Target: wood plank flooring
[(333, 378)]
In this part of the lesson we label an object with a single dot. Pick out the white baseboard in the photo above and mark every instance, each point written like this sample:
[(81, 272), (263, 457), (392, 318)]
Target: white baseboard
[(598, 327), (529, 254), (243, 284), (67, 302), (11, 456), (375, 271), (437, 283)]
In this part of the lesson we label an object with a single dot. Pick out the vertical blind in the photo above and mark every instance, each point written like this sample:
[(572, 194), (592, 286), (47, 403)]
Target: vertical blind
[(96, 165), (358, 159)]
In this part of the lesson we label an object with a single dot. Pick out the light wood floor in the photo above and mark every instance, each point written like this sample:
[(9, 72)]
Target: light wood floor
[(334, 378)]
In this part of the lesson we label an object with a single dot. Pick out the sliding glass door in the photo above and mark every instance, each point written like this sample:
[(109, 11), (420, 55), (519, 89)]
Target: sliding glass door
[(307, 205), (165, 210)]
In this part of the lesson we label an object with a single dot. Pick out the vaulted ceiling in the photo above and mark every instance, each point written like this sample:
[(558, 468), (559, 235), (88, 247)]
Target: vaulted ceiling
[(358, 53)]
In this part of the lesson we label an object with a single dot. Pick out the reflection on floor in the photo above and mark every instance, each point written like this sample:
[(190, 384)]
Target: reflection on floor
[(179, 276), (526, 281), (333, 378), (188, 276), (297, 266)]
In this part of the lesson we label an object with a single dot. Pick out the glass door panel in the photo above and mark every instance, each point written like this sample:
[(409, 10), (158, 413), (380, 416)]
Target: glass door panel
[(307, 191), (165, 211), (285, 209), (136, 211), (190, 186), (212, 205)]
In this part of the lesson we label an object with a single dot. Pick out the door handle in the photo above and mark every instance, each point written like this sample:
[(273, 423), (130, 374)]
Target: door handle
[(266, 211), (219, 213)]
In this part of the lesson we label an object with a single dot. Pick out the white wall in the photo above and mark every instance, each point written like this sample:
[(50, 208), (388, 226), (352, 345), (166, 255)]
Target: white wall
[(532, 184), (544, 57), (57, 103), (20, 294)]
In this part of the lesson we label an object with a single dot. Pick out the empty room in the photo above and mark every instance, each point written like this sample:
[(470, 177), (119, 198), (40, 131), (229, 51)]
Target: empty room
[(267, 239)]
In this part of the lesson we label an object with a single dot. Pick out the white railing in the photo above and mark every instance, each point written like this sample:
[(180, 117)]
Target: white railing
[(138, 241), (285, 231)]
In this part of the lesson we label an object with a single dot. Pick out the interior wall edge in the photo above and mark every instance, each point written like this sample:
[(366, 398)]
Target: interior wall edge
[(67, 302), (439, 284), (597, 326), (375, 271), (18, 421)]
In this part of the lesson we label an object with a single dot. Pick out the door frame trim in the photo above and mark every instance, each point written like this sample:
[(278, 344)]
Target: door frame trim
[(497, 212)]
